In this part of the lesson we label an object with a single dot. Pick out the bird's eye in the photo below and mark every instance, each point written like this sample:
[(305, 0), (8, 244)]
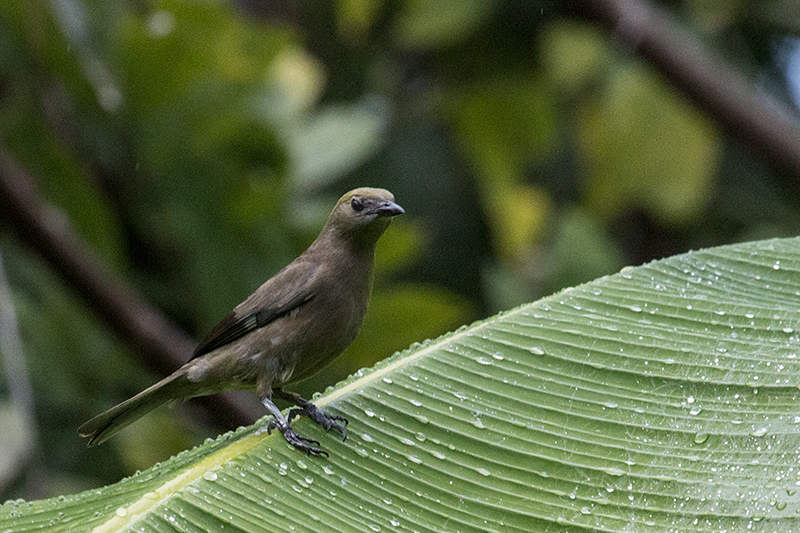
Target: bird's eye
[(356, 204)]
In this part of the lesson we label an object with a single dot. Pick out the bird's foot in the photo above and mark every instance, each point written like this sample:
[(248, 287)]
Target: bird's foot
[(328, 422), (305, 444)]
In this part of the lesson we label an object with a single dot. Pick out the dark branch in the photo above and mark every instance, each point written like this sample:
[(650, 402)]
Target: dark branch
[(732, 100), (160, 343)]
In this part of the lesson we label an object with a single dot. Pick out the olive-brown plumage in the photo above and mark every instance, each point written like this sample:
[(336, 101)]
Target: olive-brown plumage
[(288, 329)]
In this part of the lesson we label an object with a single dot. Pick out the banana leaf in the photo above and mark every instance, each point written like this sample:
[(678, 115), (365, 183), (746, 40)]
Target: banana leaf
[(661, 398)]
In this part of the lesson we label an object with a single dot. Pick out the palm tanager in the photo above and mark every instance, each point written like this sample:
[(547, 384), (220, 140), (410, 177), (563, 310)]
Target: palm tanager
[(287, 330)]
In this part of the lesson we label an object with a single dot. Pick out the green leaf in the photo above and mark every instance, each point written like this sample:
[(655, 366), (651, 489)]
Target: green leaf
[(440, 23), (645, 147), (335, 141), (575, 54), (662, 398)]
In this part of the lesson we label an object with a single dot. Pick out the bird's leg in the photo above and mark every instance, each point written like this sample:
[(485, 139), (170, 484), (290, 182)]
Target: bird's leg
[(279, 422), (312, 411)]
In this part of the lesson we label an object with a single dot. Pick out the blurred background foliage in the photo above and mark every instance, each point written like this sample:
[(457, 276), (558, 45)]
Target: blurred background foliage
[(198, 146)]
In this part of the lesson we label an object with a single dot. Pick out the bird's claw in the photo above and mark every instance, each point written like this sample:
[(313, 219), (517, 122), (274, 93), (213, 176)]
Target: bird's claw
[(328, 422), (305, 444)]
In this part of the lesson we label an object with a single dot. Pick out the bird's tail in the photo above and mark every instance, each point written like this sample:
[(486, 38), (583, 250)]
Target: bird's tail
[(106, 424)]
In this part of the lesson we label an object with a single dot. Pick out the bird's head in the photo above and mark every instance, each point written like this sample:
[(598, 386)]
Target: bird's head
[(362, 215)]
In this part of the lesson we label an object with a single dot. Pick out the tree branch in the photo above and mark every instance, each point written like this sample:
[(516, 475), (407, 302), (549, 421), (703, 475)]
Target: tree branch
[(162, 345), (732, 100)]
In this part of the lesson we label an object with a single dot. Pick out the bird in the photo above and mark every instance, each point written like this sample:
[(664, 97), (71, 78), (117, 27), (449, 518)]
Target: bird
[(293, 325)]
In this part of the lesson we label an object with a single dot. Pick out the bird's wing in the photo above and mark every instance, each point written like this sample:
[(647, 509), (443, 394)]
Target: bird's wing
[(288, 290)]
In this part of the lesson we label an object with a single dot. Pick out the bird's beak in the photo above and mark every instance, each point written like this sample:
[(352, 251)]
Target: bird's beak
[(389, 209)]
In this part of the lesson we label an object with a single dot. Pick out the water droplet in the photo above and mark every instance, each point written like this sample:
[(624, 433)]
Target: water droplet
[(610, 405), (438, 454), (210, 475), (420, 436), (635, 308), (788, 330), (759, 432), (328, 470), (121, 512), (700, 437), (387, 380), (301, 464), (374, 527), (367, 437), (369, 412), (536, 350), (478, 424), (484, 472), (483, 361), (362, 452), (780, 506), (613, 471), (498, 356), (414, 459), (406, 441), (422, 419)]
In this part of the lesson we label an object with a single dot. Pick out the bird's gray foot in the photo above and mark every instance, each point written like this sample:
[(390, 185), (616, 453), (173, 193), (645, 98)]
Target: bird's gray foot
[(328, 422), (279, 422), (304, 407), (305, 444)]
